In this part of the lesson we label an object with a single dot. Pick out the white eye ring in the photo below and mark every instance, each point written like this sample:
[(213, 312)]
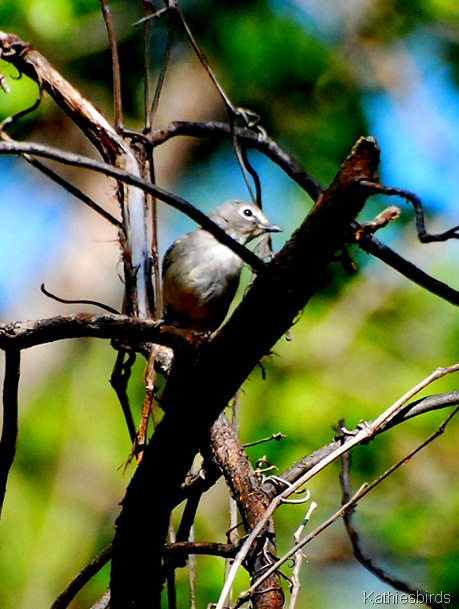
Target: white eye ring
[(247, 212)]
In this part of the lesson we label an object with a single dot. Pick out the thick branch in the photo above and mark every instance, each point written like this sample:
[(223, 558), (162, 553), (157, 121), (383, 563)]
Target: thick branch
[(129, 330), (267, 311), (252, 504)]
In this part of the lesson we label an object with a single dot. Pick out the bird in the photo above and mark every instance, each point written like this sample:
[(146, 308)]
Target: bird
[(201, 275)]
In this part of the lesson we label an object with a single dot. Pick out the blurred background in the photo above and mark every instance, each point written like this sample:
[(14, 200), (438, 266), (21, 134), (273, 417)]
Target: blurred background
[(320, 74)]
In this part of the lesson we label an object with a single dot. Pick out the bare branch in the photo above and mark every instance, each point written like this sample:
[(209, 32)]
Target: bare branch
[(295, 273), (31, 63), (298, 557), (249, 137), (183, 549), (70, 188), (423, 234), (366, 433), (123, 176), (82, 301), (354, 536), (10, 417), (373, 246), (345, 508), (113, 149), (129, 330), (273, 151), (85, 575), (245, 490), (417, 408), (117, 99)]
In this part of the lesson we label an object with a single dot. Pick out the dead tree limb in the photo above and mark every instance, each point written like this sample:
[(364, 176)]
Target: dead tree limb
[(267, 311), (133, 235), (252, 502)]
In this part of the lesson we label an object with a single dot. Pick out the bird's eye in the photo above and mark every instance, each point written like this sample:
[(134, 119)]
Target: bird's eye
[(248, 213)]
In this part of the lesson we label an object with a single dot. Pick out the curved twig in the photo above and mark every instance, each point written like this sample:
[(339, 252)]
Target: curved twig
[(354, 537), (84, 301)]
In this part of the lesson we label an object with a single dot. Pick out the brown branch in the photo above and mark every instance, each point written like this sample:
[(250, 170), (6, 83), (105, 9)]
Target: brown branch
[(373, 246), (10, 417), (85, 575), (93, 124), (117, 99), (423, 235), (182, 549), (296, 271), (252, 503), (113, 149), (249, 137), (345, 508), (364, 435), (70, 188), (127, 330), (291, 167), (271, 486)]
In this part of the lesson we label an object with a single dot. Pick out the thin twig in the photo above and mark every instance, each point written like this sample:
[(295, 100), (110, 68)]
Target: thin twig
[(119, 381), (116, 71), (70, 188), (242, 161), (363, 435), (373, 246), (148, 8), (84, 301), (423, 235), (349, 505), (85, 575), (176, 12), (174, 201), (298, 558), (10, 417), (354, 536), (275, 436), (202, 548), (159, 85)]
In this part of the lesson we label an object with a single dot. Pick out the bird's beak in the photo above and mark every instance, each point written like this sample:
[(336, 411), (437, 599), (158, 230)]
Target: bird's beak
[(271, 228)]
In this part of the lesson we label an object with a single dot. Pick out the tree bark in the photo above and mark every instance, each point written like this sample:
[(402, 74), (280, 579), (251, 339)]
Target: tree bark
[(200, 386)]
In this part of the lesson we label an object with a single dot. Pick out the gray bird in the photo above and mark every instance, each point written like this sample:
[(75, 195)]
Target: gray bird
[(201, 275)]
